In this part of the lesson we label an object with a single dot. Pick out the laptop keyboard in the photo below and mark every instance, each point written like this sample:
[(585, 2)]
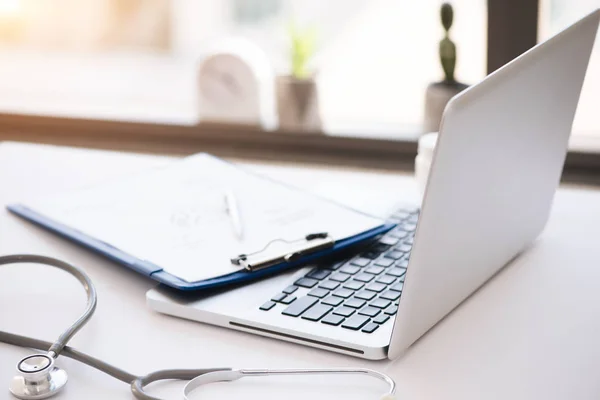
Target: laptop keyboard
[(360, 293)]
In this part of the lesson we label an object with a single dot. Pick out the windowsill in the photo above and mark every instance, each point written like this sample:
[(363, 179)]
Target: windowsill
[(148, 87), (358, 149), (70, 100)]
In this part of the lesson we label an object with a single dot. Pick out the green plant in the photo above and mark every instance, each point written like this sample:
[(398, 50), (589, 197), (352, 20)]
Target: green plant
[(302, 49), (447, 47)]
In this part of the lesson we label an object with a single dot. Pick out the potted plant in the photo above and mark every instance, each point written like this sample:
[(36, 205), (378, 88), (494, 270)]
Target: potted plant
[(297, 94), (439, 93)]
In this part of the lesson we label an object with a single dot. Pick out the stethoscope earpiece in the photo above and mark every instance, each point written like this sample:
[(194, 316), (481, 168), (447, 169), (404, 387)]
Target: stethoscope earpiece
[(38, 378), (235, 374)]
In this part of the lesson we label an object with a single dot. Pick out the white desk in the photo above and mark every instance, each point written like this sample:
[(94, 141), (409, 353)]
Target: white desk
[(533, 332)]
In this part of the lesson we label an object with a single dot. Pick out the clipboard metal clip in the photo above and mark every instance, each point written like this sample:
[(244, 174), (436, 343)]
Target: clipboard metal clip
[(293, 250)]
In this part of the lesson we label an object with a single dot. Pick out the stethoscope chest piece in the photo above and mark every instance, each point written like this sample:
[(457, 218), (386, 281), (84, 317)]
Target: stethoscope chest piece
[(38, 378)]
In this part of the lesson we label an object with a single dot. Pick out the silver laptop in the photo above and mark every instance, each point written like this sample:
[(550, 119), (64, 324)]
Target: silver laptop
[(497, 165)]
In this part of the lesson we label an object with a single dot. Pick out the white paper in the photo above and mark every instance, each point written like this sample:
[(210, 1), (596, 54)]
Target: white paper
[(176, 217)]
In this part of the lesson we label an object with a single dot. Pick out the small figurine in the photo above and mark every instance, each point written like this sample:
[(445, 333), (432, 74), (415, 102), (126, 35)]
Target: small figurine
[(439, 93)]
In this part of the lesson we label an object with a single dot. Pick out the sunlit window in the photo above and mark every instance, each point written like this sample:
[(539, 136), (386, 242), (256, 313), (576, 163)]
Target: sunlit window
[(556, 15), (373, 63), (375, 57)]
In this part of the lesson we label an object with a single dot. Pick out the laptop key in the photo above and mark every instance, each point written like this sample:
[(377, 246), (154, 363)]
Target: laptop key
[(300, 306), (391, 310), (333, 319), (329, 285), (318, 292), (375, 270), (384, 262), (409, 227), (402, 263), (318, 274), (380, 303), (344, 311), (395, 271), (394, 219), (339, 277), (389, 240), (381, 319), (350, 269), (355, 303), (371, 255), (370, 328), (390, 295), (413, 219), (267, 306), (380, 248), (404, 247), (394, 254), (289, 299), (333, 301), (308, 283), (278, 297), (365, 295), (360, 261), (399, 234), (336, 265), (401, 214), (364, 277), (385, 279), (376, 287), (356, 322), (316, 312), (397, 287), (354, 285), (290, 289), (343, 293), (370, 311)]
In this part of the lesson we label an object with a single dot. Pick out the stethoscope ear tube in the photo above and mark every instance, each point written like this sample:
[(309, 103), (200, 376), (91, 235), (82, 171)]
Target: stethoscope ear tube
[(139, 384), (233, 375), (80, 275)]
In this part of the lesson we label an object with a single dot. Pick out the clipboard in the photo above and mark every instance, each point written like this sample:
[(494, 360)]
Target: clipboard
[(279, 253), (160, 275)]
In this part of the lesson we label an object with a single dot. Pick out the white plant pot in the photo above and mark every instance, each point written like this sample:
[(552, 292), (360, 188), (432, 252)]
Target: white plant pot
[(436, 97)]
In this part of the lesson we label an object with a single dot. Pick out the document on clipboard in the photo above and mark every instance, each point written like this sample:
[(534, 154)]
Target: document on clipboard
[(173, 222)]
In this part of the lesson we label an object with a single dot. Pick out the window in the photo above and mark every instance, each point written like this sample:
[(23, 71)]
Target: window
[(556, 15), (374, 60), (136, 61)]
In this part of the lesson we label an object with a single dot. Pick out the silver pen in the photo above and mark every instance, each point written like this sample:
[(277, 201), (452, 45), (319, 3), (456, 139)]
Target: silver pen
[(233, 211)]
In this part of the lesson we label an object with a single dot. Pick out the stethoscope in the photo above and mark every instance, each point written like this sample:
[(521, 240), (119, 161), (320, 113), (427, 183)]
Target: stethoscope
[(38, 376)]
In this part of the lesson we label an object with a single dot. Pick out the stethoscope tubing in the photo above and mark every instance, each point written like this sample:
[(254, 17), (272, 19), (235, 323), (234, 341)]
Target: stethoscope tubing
[(92, 298), (196, 377)]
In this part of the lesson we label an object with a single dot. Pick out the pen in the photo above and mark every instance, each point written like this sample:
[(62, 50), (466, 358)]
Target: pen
[(234, 214)]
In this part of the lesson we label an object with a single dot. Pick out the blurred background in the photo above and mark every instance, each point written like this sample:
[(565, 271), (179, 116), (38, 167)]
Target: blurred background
[(372, 62)]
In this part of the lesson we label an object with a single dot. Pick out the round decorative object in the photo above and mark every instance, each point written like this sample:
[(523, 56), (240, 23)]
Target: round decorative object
[(235, 84)]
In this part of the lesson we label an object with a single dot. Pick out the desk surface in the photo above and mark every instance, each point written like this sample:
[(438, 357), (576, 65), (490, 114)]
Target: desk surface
[(532, 332)]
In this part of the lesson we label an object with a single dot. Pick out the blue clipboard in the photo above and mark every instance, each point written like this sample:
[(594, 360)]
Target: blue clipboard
[(159, 274)]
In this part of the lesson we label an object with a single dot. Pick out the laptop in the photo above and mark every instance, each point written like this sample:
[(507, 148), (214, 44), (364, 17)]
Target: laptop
[(496, 167)]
